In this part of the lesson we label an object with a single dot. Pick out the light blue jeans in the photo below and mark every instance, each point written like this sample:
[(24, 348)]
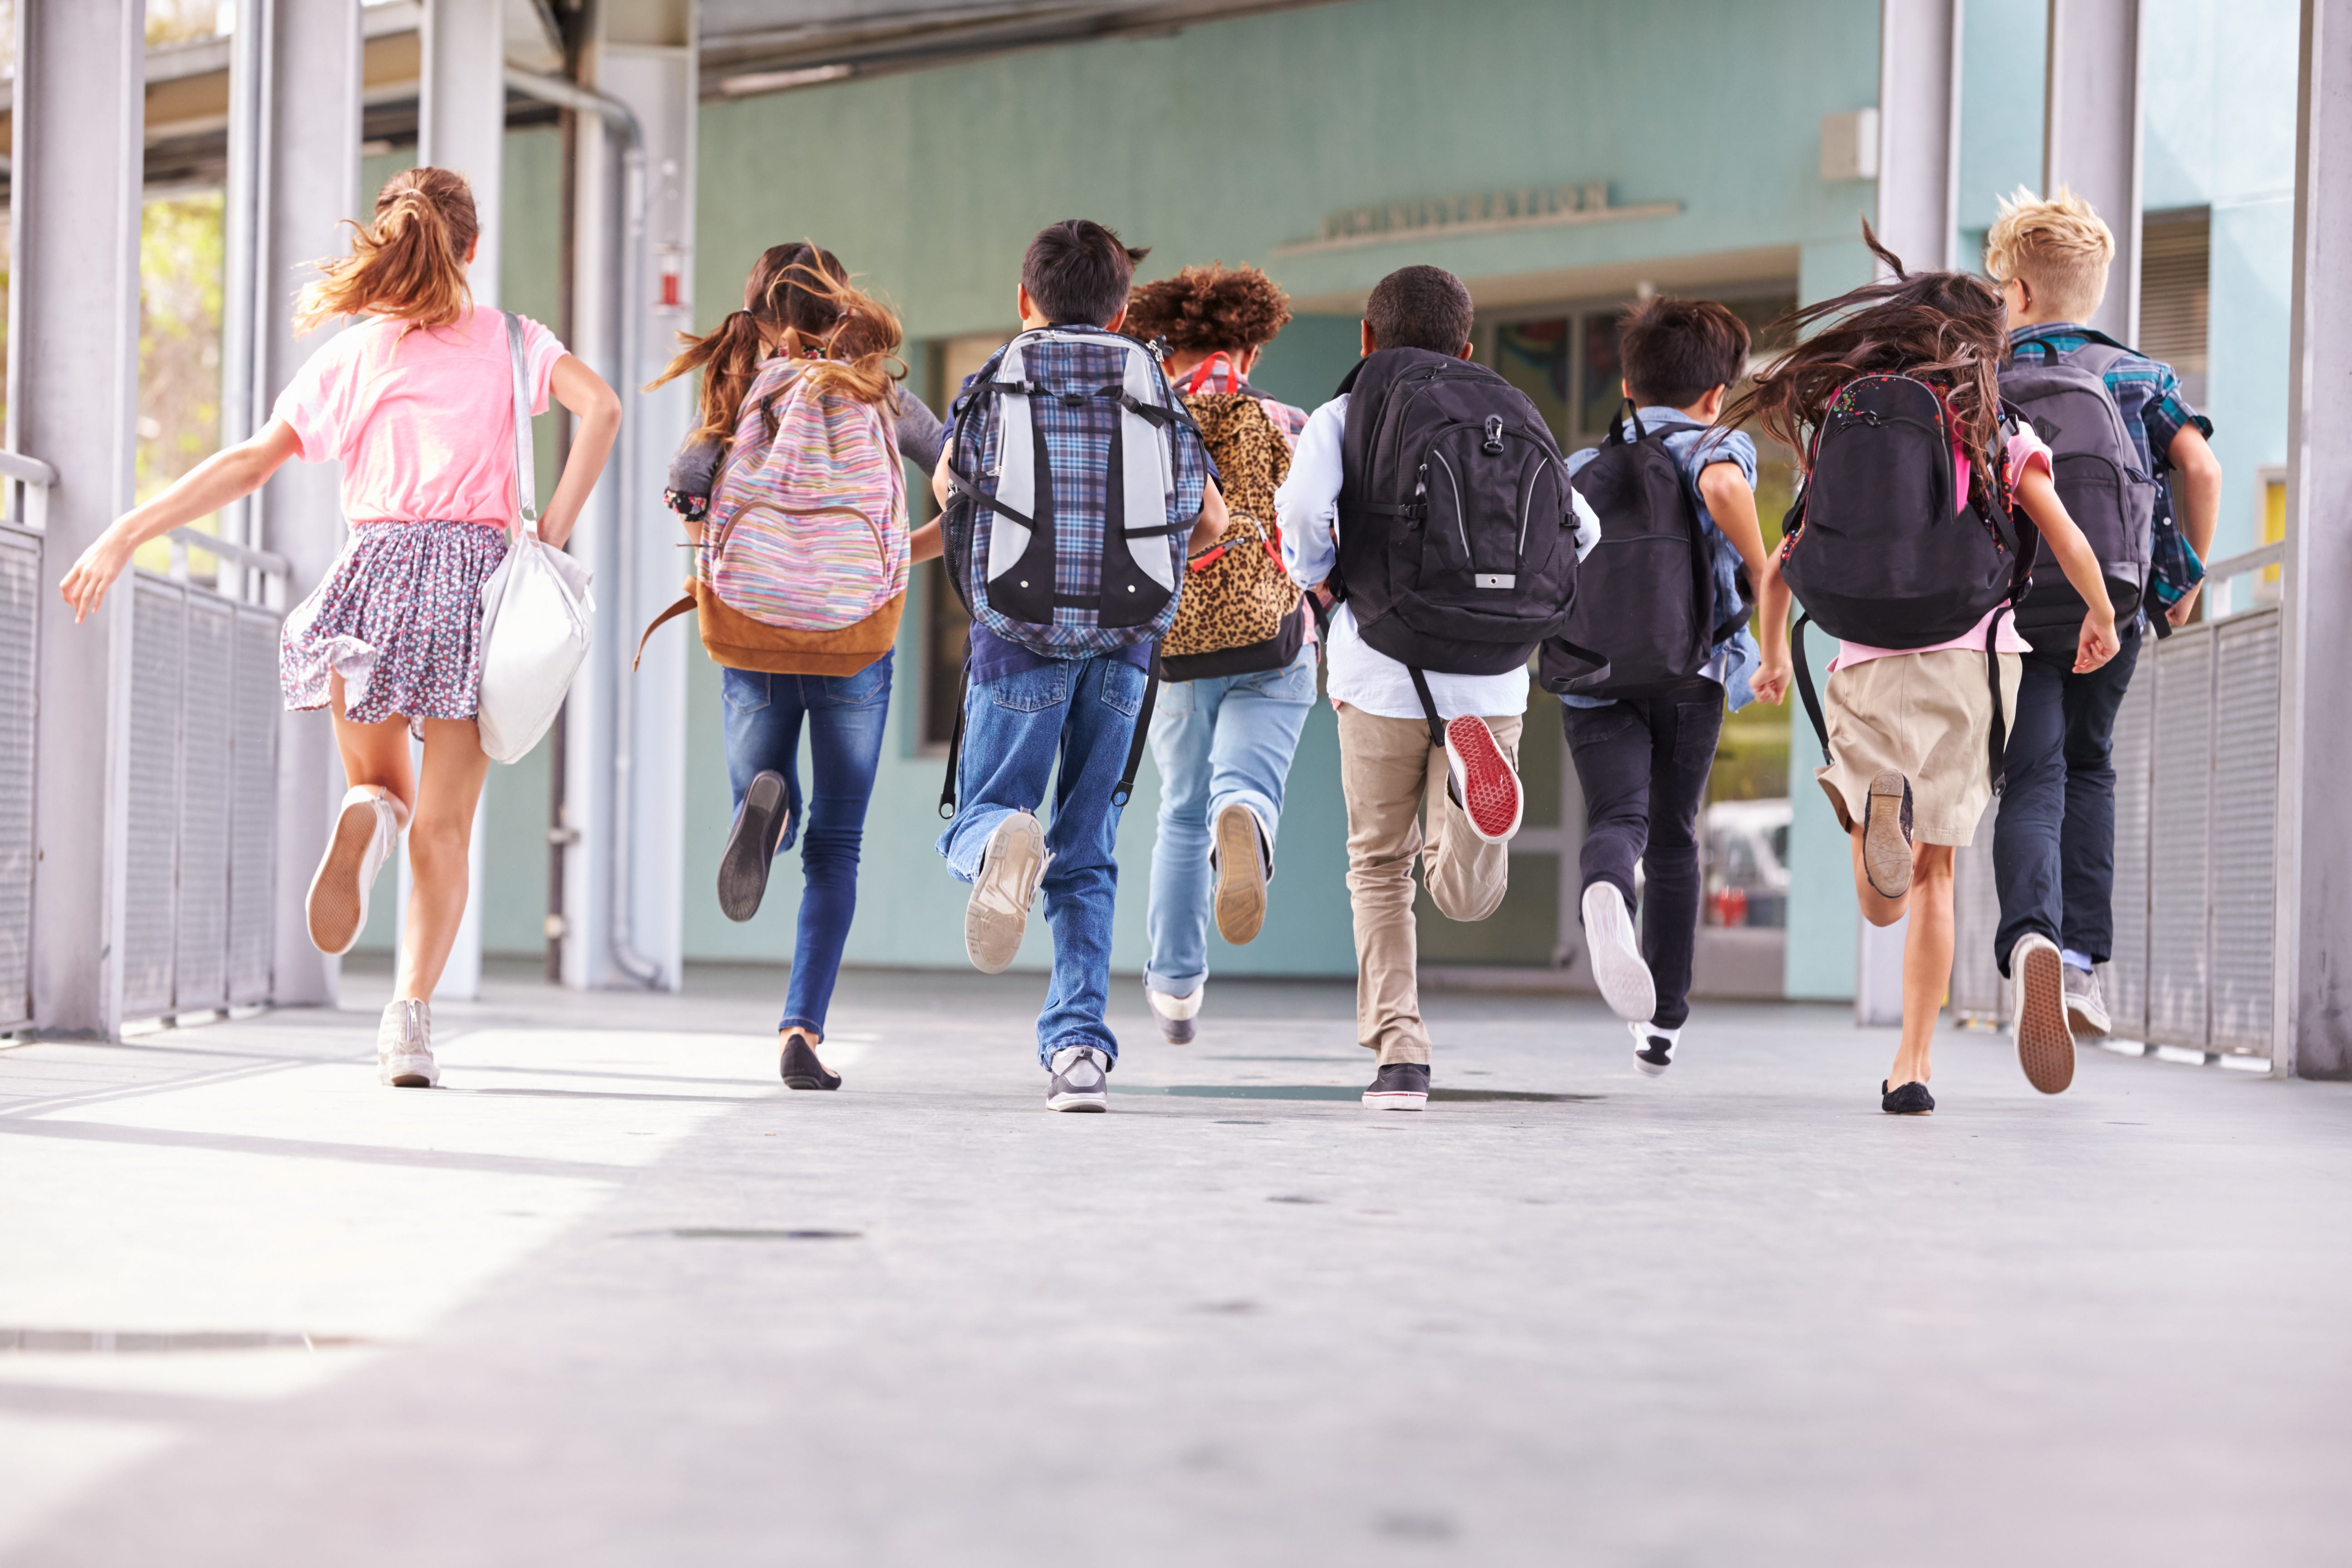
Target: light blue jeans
[(1224, 740)]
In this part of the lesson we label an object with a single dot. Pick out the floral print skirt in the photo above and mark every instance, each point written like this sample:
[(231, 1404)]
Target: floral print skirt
[(400, 619)]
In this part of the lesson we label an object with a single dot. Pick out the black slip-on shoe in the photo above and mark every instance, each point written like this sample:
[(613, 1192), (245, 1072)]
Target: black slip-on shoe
[(1399, 1086), (801, 1068), (1911, 1100), (751, 849)]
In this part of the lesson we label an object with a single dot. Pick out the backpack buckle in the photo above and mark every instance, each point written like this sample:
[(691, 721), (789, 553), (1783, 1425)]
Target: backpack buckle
[(1495, 433)]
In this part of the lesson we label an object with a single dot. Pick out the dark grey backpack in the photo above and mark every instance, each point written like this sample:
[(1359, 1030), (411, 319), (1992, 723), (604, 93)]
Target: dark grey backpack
[(2098, 477)]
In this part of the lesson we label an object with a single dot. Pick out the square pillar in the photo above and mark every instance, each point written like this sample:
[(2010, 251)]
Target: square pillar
[(2091, 135), (1919, 130)]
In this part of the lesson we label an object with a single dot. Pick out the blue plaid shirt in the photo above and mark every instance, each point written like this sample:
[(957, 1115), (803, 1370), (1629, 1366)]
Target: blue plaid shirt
[(2145, 389)]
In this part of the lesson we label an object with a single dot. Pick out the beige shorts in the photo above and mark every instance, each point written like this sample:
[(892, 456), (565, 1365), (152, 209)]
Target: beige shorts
[(1929, 716)]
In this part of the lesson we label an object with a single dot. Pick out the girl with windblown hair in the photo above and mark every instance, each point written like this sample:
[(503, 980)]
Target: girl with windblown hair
[(415, 401)]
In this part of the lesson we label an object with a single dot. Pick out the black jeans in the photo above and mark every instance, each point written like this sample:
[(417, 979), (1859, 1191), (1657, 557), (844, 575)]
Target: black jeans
[(2053, 842), (1643, 763)]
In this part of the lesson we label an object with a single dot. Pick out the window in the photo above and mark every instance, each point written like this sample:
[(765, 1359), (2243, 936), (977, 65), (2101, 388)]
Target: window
[(2175, 251)]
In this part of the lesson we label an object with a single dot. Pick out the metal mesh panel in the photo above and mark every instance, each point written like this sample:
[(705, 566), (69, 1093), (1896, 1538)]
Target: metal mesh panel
[(2245, 829), (2180, 819), (253, 805), (158, 638), (2124, 978), (200, 970), (1978, 990), (20, 560)]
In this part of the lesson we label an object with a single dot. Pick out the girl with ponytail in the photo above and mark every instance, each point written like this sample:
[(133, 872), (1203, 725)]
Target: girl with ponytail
[(800, 396), (415, 400)]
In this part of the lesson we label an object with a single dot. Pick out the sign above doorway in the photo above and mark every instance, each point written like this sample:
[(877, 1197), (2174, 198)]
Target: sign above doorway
[(1479, 212)]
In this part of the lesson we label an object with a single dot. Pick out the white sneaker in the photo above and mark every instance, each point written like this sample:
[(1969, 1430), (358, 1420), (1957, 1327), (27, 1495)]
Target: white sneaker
[(2045, 1045), (1654, 1048), (1174, 1015), (404, 1046), (1011, 867), (367, 829), (1081, 1080), (1617, 967)]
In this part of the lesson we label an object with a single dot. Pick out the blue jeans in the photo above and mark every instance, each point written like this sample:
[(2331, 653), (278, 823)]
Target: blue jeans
[(846, 715), (1082, 712), (1225, 741)]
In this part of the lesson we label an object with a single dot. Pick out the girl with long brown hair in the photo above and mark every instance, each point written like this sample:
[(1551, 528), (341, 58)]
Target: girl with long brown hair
[(805, 361), (415, 400), (1907, 770)]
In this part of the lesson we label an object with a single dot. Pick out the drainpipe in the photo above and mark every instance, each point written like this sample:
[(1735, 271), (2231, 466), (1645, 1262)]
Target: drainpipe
[(624, 123)]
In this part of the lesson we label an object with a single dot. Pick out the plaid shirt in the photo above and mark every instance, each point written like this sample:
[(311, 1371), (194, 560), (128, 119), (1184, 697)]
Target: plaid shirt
[(1216, 374), (2145, 389)]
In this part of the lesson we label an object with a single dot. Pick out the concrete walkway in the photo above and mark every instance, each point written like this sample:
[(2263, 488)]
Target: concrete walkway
[(613, 1297)]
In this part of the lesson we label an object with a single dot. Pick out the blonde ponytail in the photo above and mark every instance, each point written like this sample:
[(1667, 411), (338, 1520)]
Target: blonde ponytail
[(409, 263)]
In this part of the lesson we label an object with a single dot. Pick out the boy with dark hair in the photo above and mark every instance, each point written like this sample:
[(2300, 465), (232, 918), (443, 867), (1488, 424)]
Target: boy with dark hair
[(1644, 760), (2055, 839), (1070, 490), (1392, 775)]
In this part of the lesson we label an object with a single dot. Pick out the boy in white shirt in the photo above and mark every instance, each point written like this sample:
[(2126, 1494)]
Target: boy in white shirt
[(1389, 773)]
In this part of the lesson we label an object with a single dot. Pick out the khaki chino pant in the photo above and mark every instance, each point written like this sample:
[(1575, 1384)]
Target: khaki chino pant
[(1392, 777)]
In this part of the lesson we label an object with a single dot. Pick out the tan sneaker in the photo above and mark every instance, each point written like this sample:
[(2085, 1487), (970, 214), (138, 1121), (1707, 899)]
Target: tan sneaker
[(1010, 870), (1238, 847), (2046, 1043), (1886, 834), (367, 829), (404, 1046)]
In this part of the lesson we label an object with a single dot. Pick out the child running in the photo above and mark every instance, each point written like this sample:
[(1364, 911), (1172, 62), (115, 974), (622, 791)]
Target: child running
[(1238, 666), (1072, 483), (799, 607), (1912, 480), (1643, 736), (417, 403)]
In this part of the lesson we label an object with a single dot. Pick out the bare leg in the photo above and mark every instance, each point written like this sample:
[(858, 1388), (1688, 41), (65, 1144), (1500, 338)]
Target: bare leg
[(1926, 949), (439, 836), (374, 753)]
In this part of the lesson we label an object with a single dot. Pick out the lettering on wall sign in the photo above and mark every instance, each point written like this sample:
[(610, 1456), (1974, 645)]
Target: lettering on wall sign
[(1476, 212)]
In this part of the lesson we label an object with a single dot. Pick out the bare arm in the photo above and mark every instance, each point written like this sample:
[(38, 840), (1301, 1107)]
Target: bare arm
[(1211, 523), (2197, 484), (598, 411), (940, 488), (925, 544), (226, 476), (1770, 681), (2073, 554), (1732, 504)]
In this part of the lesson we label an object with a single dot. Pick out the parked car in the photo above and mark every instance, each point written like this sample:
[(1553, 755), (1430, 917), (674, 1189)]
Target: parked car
[(1747, 863)]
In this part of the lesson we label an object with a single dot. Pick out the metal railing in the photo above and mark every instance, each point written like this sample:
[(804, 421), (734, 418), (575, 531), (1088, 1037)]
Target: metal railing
[(2197, 798), (26, 482)]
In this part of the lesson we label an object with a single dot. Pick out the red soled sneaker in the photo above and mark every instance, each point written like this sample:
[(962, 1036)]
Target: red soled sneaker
[(1480, 779)]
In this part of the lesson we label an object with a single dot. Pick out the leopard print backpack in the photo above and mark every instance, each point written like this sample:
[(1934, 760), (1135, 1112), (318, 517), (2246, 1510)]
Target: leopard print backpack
[(1240, 611)]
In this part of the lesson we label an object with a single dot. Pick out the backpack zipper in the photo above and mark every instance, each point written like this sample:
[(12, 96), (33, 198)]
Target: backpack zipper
[(1460, 526)]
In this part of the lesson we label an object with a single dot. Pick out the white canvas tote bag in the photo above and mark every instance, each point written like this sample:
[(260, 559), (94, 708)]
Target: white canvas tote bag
[(535, 608)]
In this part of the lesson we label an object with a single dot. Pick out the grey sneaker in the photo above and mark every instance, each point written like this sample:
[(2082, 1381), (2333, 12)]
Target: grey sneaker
[(2045, 1046), (1886, 834), (1174, 1015), (2086, 1006), (1399, 1086), (1081, 1080), (404, 1046), (751, 852), (1011, 868)]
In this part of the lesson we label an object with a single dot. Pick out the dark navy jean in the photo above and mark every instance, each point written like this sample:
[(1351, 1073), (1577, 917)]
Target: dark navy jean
[(1081, 713), (2053, 844), (845, 716)]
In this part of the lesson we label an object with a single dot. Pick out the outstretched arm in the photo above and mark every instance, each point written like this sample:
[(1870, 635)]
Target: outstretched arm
[(593, 404), (226, 476), (1773, 672), (2075, 557)]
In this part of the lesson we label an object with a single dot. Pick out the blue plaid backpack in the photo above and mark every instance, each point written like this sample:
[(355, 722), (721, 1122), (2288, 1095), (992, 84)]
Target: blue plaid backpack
[(1076, 476)]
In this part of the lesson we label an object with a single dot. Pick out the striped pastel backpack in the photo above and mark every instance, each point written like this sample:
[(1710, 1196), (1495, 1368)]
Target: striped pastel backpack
[(803, 565)]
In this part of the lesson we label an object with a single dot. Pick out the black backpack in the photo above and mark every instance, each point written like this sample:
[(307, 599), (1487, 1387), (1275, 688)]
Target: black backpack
[(1877, 548), (1646, 595), (1457, 550), (2097, 473)]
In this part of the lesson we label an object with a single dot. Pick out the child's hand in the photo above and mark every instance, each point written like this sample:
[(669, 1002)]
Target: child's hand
[(2182, 606), (85, 587), (2098, 643), (1770, 681)]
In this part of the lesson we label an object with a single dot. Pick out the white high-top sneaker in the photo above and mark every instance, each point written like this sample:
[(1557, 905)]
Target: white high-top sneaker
[(404, 1046), (367, 829)]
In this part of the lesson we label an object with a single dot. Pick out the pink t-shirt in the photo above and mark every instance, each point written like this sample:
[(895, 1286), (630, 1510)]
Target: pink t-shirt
[(2025, 449), (422, 418)]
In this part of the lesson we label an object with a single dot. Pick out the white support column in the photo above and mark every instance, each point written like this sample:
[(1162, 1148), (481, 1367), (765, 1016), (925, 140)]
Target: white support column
[(625, 748), (309, 180), (462, 124), (2091, 134), (1919, 130), (2314, 844), (73, 397)]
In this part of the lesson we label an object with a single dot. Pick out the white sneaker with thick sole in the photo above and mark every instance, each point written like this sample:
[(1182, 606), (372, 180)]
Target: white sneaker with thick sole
[(1654, 1048), (404, 1046), (1617, 967), (2046, 1043), (1174, 1015), (1011, 867), (367, 829), (1080, 1080)]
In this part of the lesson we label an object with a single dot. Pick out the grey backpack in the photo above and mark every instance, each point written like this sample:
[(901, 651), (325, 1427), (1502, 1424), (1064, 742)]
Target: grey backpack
[(2098, 477)]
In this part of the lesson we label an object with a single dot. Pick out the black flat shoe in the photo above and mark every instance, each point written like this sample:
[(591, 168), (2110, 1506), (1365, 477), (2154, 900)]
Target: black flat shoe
[(1911, 1100), (751, 847), (801, 1068)]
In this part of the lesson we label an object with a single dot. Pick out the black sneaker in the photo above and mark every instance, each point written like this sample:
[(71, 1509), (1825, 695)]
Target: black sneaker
[(801, 1068), (751, 847), (1081, 1080), (1399, 1086), (1911, 1100)]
